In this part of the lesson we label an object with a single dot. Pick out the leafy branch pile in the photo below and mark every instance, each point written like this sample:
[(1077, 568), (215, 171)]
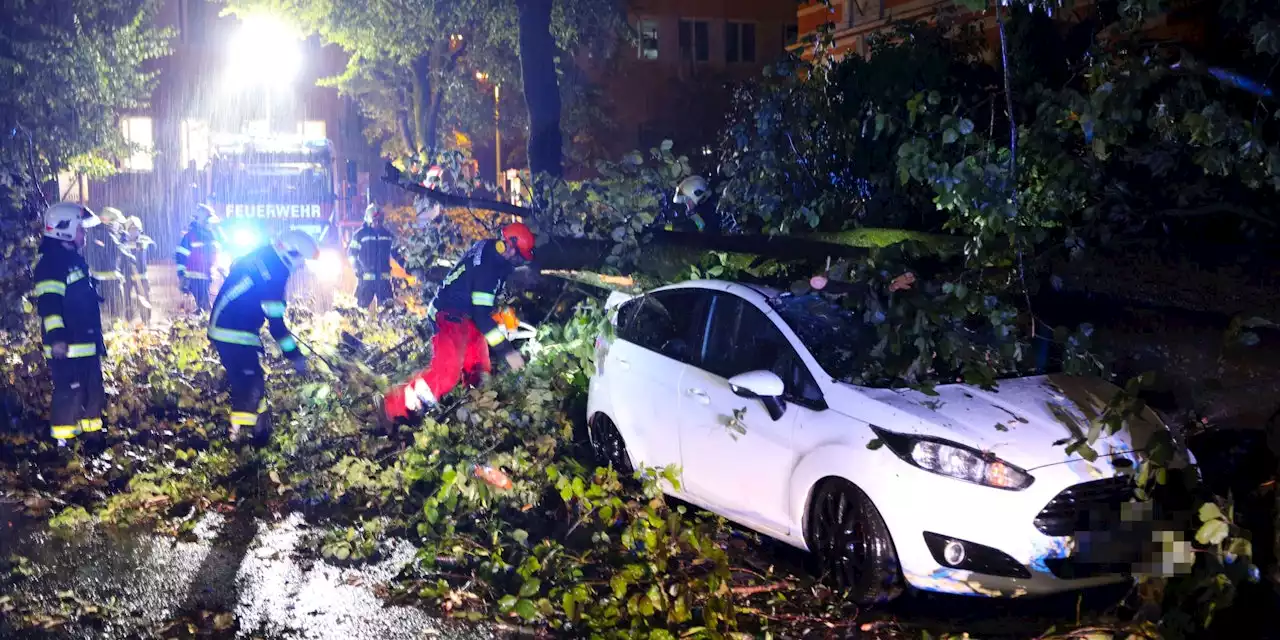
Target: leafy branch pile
[(510, 517)]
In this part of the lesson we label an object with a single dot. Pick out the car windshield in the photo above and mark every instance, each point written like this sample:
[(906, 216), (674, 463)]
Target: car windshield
[(842, 343), (835, 336)]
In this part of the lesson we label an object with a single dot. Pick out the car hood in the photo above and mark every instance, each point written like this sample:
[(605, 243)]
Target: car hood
[(1020, 420)]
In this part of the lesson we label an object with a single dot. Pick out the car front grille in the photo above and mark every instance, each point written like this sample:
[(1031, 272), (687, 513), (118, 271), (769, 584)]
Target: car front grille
[(1084, 507)]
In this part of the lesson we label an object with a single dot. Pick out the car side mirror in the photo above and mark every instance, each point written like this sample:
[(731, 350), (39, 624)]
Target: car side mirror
[(765, 386), (757, 384)]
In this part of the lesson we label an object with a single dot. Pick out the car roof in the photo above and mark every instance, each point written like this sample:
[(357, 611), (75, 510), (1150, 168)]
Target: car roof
[(740, 288), (759, 293)]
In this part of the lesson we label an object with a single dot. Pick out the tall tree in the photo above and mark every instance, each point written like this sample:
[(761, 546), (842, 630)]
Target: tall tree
[(541, 89)]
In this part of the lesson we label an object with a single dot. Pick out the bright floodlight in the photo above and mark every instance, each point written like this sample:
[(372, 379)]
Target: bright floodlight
[(328, 267), (265, 50)]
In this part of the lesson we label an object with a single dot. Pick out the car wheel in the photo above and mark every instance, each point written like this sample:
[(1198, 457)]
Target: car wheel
[(852, 544), (608, 446)]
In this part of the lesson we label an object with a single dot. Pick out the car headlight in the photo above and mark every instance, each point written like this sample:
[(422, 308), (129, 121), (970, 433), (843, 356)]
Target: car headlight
[(328, 267), (955, 460)]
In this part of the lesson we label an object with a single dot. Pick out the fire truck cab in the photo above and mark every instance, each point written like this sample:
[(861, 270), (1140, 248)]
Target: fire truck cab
[(261, 186)]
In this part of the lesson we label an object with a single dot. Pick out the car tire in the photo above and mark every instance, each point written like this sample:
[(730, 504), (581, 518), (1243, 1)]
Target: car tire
[(851, 543), (607, 445)]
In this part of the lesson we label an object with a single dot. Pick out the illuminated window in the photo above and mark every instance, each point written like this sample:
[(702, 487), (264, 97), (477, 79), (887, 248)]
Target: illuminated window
[(314, 129), (137, 133), (648, 39), (195, 143)]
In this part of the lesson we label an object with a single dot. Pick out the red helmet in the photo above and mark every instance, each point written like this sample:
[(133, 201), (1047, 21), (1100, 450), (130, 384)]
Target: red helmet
[(518, 234)]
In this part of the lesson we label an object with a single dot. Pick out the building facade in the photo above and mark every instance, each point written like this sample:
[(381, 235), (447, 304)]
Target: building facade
[(853, 21), (675, 81)]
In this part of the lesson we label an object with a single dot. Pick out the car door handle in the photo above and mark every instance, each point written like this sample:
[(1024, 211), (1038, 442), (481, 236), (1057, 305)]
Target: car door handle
[(700, 395)]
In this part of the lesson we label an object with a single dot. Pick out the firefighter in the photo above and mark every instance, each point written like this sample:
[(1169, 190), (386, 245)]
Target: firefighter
[(67, 302), (466, 330), (253, 293), (699, 203), (105, 258), (137, 289), (371, 250), (196, 256)]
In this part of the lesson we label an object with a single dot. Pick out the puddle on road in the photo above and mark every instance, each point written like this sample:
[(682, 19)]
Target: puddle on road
[(245, 567)]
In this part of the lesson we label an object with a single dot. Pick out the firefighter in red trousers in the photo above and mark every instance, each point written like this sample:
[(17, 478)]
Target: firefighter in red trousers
[(466, 330)]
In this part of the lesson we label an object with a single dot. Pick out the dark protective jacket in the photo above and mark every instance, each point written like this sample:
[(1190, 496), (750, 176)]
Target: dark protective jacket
[(253, 293), (67, 301), (103, 253), (371, 250), (197, 253), (471, 289), (134, 265)]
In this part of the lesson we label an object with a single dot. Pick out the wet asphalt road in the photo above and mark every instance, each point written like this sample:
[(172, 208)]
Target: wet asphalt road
[(248, 568)]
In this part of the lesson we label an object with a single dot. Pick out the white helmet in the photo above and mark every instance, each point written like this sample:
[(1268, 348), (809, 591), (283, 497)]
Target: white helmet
[(372, 210), (296, 247), (63, 219), (111, 216), (205, 215), (133, 226), (693, 190)]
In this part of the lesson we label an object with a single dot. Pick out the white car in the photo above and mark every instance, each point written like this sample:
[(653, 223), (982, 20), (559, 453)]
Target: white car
[(967, 491)]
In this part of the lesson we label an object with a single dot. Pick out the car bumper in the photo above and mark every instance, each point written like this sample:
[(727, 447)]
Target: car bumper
[(1007, 551)]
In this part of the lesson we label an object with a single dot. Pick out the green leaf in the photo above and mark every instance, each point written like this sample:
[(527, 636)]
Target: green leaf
[(520, 535), (1212, 532), (507, 602), (526, 609), (1210, 511), (530, 588), (1240, 547), (949, 136), (875, 443)]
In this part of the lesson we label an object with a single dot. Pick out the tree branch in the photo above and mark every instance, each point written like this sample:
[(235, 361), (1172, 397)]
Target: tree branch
[(392, 175)]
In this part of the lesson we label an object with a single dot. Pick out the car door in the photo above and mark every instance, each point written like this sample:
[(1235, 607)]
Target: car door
[(656, 339), (744, 475)]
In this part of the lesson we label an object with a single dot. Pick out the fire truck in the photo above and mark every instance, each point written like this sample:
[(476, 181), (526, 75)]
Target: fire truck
[(261, 186)]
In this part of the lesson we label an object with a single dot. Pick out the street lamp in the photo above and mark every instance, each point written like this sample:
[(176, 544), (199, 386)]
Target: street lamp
[(263, 52)]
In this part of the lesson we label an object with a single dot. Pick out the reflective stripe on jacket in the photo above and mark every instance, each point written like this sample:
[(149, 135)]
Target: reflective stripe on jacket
[(253, 293), (472, 286), (67, 301), (371, 251)]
